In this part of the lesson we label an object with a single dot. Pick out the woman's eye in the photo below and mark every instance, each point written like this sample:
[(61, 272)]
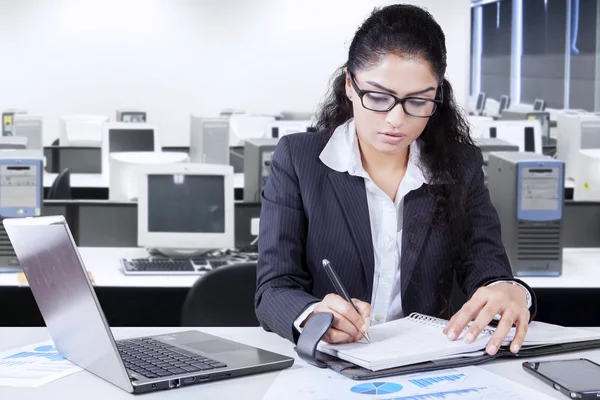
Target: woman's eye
[(380, 98), (417, 103)]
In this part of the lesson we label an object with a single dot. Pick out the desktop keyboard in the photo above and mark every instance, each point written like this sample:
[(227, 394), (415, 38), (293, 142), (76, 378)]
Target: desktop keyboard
[(150, 266), (154, 359)]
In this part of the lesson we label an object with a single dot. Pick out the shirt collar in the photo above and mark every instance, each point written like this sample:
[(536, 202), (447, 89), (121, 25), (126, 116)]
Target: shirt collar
[(342, 154)]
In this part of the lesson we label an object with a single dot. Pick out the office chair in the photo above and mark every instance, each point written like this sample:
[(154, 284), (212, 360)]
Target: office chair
[(222, 297), (61, 187)]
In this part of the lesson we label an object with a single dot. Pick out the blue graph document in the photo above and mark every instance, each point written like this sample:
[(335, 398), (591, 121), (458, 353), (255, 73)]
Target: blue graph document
[(33, 365), (309, 383)]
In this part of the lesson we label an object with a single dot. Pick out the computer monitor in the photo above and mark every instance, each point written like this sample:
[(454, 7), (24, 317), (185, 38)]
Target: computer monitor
[(504, 103), (83, 130), (539, 105), (245, 126), (125, 167), (526, 134), (127, 137), (480, 105), (277, 129), (186, 208)]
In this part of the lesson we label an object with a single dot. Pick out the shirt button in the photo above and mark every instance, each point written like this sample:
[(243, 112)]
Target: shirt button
[(387, 280), (390, 239), (378, 318)]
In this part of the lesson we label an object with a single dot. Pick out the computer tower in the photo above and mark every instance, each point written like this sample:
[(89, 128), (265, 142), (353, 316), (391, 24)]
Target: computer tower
[(258, 154), (21, 184), (527, 190), (209, 140)]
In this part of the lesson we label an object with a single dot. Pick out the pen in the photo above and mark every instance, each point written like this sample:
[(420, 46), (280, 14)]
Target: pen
[(341, 290)]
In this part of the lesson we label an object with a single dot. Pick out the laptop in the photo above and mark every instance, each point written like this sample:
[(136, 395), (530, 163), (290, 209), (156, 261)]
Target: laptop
[(61, 287)]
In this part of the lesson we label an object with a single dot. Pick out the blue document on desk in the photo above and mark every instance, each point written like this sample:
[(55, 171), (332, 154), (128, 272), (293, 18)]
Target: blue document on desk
[(308, 383)]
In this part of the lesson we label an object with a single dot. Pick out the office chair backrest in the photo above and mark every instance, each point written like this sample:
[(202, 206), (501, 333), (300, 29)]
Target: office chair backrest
[(222, 297), (61, 187)]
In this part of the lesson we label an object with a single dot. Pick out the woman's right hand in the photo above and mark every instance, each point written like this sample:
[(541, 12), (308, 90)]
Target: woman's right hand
[(348, 325)]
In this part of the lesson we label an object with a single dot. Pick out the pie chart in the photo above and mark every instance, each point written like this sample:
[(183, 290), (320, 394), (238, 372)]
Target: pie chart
[(376, 388)]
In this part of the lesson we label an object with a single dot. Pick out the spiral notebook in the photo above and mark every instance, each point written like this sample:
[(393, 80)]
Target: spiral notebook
[(418, 338)]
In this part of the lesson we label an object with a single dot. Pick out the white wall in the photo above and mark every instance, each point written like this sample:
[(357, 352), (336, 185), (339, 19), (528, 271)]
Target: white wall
[(174, 57)]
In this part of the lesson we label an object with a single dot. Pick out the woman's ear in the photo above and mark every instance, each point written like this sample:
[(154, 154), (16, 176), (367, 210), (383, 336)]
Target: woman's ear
[(348, 85)]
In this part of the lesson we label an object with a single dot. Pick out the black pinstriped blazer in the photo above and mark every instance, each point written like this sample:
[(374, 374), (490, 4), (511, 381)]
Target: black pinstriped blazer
[(310, 212)]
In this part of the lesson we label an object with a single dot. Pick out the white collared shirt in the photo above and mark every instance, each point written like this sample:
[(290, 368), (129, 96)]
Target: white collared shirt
[(342, 154)]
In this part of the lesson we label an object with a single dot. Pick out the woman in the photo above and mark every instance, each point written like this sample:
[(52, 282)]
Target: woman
[(390, 190)]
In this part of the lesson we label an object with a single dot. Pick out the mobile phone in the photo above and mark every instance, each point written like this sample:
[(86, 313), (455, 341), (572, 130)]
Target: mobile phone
[(575, 378)]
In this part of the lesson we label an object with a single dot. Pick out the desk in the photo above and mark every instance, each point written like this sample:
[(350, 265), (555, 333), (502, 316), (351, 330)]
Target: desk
[(103, 263), (581, 270), (85, 385), (571, 299)]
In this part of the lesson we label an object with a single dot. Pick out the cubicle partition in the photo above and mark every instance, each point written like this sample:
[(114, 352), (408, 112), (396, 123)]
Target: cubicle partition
[(114, 224), (97, 223)]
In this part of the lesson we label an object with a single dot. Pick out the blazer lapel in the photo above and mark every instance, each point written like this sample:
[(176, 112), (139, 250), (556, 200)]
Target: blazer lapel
[(419, 208), (351, 194)]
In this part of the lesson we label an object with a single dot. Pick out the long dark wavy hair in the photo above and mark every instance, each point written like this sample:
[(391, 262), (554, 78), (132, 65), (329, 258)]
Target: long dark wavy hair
[(411, 32)]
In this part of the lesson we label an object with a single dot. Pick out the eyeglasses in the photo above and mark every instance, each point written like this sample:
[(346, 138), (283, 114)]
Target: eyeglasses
[(384, 102)]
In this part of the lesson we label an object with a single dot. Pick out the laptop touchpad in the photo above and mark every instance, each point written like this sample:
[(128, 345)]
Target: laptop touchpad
[(214, 346)]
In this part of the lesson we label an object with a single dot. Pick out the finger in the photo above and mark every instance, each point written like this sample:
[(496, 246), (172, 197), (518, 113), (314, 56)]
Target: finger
[(364, 309), (522, 327), (449, 324), (335, 336), (468, 311), (345, 309), (342, 324), (502, 331), (483, 319)]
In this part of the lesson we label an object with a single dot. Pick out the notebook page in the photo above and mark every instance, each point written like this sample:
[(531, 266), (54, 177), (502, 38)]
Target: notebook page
[(541, 333), (402, 342)]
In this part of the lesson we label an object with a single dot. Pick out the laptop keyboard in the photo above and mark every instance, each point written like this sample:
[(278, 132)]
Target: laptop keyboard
[(154, 359)]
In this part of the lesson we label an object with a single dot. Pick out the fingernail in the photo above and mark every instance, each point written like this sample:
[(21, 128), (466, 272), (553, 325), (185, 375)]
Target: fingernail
[(514, 348), (364, 328), (492, 349), (452, 335), (469, 338)]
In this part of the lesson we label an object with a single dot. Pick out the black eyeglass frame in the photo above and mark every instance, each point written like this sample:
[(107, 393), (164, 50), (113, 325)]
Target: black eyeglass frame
[(397, 100)]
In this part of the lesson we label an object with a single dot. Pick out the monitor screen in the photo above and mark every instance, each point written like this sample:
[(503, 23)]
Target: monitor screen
[(120, 140), (480, 101), (538, 105), (186, 203)]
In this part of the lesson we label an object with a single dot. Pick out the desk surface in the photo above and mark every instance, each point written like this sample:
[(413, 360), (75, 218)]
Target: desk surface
[(581, 270), (85, 385), (102, 182)]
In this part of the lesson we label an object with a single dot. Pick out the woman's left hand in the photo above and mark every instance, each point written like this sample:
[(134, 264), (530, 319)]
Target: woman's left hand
[(505, 299)]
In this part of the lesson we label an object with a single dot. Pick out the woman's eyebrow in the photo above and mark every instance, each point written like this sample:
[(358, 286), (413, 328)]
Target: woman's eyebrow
[(377, 85)]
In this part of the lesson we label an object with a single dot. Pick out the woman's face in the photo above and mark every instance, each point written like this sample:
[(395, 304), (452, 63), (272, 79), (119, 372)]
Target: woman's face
[(393, 131)]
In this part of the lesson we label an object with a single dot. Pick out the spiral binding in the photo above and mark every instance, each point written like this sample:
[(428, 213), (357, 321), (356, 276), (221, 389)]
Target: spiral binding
[(438, 322)]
